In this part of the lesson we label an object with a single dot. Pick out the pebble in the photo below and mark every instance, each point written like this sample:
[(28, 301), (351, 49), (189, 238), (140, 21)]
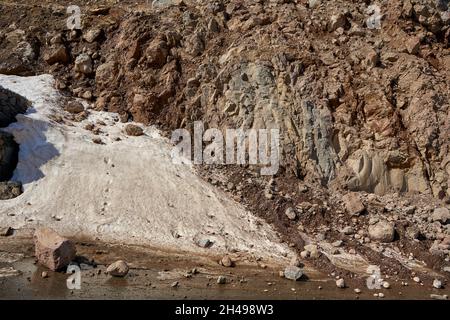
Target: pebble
[(44, 274), (118, 269), (416, 279), (340, 283), (358, 291), (386, 285), (437, 284), (221, 280), (227, 262)]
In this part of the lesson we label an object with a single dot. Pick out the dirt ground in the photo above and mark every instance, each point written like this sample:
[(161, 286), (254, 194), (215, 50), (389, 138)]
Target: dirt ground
[(153, 274)]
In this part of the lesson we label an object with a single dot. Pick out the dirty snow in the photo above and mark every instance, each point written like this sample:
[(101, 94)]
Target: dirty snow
[(126, 191)]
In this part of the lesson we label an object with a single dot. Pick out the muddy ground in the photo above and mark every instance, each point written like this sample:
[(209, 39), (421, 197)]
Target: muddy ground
[(153, 274)]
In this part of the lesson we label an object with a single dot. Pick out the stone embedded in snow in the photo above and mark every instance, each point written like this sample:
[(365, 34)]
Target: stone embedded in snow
[(52, 250), (204, 243), (442, 215), (353, 203), (118, 269), (382, 231), (293, 273), (133, 130), (74, 107)]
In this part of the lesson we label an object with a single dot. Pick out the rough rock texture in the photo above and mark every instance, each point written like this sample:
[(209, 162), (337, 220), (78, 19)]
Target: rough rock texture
[(9, 150), (382, 231), (11, 104), (52, 250), (118, 269), (10, 190)]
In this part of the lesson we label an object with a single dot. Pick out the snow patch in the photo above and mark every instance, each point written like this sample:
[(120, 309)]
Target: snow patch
[(126, 191)]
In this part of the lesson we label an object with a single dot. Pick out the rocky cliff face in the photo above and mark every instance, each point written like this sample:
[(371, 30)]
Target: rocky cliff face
[(365, 108), (361, 106)]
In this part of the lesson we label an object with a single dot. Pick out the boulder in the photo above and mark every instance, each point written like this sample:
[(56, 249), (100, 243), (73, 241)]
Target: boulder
[(52, 250), (382, 231)]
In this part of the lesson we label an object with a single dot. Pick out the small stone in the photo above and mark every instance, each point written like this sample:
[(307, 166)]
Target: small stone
[(381, 295), (437, 283), (353, 204), (413, 45), (133, 130), (304, 254), (204, 243), (290, 213), (44, 274), (293, 273), (340, 283), (74, 107), (337, 243), (221, 280), (348, 230), (416, 279), (357, 291), (174, 284), (227, 262), (118, 269), (92, 34), (386, 285)]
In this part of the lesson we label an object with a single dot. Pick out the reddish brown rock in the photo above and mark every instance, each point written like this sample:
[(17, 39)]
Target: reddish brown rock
[(52, 250)]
